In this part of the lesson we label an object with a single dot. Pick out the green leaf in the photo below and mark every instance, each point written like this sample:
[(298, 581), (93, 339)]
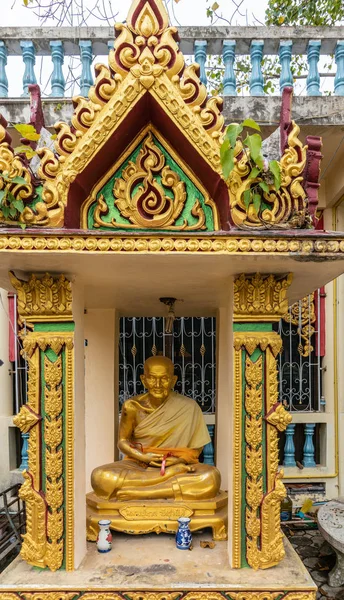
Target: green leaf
[(27, 150), (5, 211), (215, 6), (18, 205), (2, 195), (27, 131), (22, 225), (232, 133), (224, 148), (264, 186), (254, 144), (276, 171), (19, 180), (228, 163), (247, 198), (13, 211), (251, 123), (254, 173), (257, 200)]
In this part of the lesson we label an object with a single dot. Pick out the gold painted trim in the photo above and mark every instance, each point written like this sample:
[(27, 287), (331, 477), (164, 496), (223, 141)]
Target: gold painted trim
[(262, 593), (69, 357), (125, 155), (167, 244), (237, 478)]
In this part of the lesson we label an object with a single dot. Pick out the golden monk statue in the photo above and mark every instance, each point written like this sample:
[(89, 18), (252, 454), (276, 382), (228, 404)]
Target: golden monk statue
[(161, 434)]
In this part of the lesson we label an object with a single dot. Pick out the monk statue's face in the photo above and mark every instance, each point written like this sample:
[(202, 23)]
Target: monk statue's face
[(158, 378)]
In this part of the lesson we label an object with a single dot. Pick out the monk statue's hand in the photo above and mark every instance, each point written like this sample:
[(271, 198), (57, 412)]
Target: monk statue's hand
[(152, 459)]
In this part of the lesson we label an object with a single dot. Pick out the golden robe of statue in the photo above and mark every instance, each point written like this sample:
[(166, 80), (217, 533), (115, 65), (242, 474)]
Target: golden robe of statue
[(161, 435)]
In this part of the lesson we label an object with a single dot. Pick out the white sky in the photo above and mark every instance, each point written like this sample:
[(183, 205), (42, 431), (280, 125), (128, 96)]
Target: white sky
[(183, 12), (187, 12)]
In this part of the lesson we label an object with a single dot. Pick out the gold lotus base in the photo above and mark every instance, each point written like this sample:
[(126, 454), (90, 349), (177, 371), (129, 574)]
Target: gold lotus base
[(138, 517)]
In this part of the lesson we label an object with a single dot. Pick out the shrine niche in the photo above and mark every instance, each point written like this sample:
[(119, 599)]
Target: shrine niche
[(130, 207)]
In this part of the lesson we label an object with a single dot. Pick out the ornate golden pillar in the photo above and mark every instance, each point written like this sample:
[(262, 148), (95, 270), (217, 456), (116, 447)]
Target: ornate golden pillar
[(259, 301), (47, 336)]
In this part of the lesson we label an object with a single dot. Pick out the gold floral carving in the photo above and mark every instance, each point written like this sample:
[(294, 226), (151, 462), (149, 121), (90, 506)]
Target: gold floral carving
[(130, 595), (224, 244), (302, 315), (43, 299), (53, 437), (48, 501), (236, 544), (284, 208), (252, 341), (141, 199), (33, 403), (26, 419), (145, 59), (279, 417), (254, 595), (254, 456), (34, 540), (261, 297)]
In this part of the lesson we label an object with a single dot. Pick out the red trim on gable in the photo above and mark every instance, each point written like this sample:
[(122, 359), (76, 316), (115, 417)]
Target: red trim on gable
[(146, 111)]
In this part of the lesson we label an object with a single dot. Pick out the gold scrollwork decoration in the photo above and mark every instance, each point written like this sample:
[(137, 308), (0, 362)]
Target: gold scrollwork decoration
[(284, 208), (254, 456), (143, 200), (160, 595), (302, 315), (53, 437), (279, 417), (46, 298), (33, 548), (26, 419), (261, 297)]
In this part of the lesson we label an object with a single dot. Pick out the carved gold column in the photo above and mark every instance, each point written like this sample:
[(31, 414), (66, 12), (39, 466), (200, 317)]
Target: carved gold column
[(259, 301), (47, 335)]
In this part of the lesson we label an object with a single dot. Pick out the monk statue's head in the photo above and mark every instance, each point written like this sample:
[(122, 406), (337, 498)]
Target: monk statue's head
[(158, 377)]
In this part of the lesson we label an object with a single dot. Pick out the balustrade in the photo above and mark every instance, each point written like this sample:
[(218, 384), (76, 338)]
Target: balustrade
[(220, 49), (306, 435)]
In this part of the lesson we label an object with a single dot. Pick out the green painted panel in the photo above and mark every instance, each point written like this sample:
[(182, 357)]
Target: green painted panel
[(252, 326), (60, 326), (192, 194)]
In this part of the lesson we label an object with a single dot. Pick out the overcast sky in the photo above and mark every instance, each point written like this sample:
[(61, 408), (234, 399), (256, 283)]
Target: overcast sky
[(187, 12)]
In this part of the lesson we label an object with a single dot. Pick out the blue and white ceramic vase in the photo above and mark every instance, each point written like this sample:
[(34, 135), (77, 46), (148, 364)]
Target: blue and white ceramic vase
[(104, 539), (183, 537)]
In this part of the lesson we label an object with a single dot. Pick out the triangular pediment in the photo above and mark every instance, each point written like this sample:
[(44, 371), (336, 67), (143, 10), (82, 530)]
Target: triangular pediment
[(146, 83)]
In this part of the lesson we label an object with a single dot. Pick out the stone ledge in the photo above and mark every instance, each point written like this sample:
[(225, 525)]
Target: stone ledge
[(312, 112)]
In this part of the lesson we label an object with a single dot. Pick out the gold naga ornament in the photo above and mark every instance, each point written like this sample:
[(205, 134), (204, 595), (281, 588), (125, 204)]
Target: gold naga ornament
[(146, 60), (142, 199), (285, 208)]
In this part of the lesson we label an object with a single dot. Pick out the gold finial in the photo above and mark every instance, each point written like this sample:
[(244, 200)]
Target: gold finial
[(147, 17)]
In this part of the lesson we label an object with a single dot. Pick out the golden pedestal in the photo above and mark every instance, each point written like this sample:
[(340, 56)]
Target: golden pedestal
[(159, 516)]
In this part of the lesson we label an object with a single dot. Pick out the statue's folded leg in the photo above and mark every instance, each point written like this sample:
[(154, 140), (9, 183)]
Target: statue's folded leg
[(203, 483), (126, 478)]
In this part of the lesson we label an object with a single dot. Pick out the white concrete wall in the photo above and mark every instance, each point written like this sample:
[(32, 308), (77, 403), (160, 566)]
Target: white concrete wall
[(224, 407), (7, 450), (79, 427), (101, 400)]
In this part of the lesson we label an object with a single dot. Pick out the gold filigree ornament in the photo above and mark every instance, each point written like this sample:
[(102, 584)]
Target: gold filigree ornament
[(279, 417), (43, 299), (285, 208), (302, 315), (261, 297), (26, 419), (143, 200), (146, 59)]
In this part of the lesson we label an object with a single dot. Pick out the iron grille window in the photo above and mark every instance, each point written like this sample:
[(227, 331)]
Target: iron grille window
[(300, 372), (192, 347)]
